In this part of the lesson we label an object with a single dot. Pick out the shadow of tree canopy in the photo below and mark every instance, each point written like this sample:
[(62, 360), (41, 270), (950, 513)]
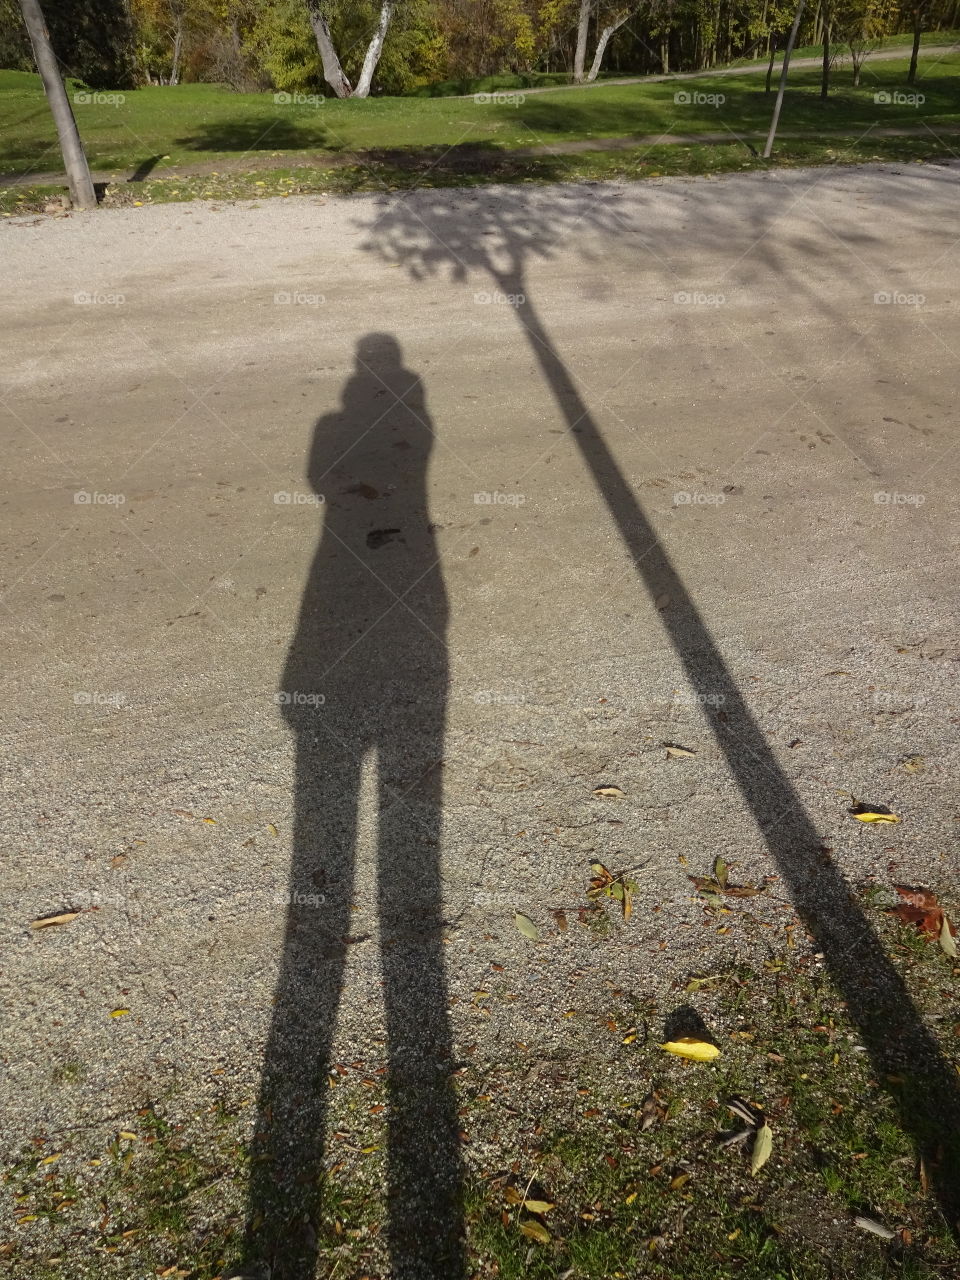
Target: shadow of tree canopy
[(499, 234), (263, 133)]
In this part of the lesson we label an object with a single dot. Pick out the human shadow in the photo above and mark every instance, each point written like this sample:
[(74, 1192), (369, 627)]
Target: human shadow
[(500, 237), (365, 677)]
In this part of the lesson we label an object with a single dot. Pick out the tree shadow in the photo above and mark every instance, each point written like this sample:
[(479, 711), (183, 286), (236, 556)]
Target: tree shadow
[(265, 133), (500, 235), (365, 679)]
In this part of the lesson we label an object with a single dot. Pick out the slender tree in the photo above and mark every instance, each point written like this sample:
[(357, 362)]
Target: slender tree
[(74, 159), (791, 41)]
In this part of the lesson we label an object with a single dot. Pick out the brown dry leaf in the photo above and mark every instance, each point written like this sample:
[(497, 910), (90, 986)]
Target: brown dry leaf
[(512, 1195), (673, 749), (45, 922), (119, 860), (918, 897), (560, 917), (614, 793)]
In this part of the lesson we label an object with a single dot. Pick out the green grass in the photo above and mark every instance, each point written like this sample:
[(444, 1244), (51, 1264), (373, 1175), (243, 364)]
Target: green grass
[(663, 1200), (154, 129)]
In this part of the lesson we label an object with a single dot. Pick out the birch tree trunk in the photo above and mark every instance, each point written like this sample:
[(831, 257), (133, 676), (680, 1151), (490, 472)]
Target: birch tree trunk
[(74, 159), (791, 41), (580, 54), (177, 50), (332, 71), (374, 49), (602, 43)]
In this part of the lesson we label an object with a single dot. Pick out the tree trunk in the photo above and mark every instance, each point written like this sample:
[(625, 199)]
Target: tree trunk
[(665, 55), (791, 41), (332, 70), (74, 159), (915, 54), (773, 58), (580, 55), (602, 43), (177, 50), (374, 49), (825, 70)]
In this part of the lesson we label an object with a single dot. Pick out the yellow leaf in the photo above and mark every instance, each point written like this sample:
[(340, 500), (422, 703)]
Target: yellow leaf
[(118, 1013), (873, 813), (526, 925), (538, 1206), (946, 939), (46, 921), (673, 750), (762, 1147), (536, 1231), (52, 1159), (677, 1182), (212, 822), (126, 1133), (614, 793), (690, 1047), (272, 829)]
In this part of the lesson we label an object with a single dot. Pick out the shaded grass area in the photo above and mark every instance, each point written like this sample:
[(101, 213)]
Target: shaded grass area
[(473, 167), (154, 129), (605, 1159)]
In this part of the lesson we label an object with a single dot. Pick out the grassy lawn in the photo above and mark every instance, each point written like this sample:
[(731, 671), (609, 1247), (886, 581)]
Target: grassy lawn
[(193, 124), (608, 1159)]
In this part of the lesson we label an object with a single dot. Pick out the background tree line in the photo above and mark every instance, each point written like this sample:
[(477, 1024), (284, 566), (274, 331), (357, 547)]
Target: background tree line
[(277, 44)]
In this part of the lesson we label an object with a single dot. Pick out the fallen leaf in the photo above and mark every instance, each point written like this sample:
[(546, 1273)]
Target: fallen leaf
[(272, 829), (762, 1148), (535, 1230), (677, 1182), (925, 898), (119, 860), (119, 1013), (873, 813), (691, 1047), (946, 939), (874, 1227), (45, 922), (526, 925), (672, 749), (538, 1206), (913, 764), (613, 792), (561, 920)]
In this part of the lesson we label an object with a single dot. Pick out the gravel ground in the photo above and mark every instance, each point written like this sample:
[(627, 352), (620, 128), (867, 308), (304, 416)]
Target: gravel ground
[(691, 375)]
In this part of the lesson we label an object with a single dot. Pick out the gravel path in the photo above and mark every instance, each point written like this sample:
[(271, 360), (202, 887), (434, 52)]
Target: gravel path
[(662, 469)]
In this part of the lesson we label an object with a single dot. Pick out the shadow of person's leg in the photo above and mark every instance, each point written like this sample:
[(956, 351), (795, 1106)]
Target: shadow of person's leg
[(287, 1167), (424, 1187)]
